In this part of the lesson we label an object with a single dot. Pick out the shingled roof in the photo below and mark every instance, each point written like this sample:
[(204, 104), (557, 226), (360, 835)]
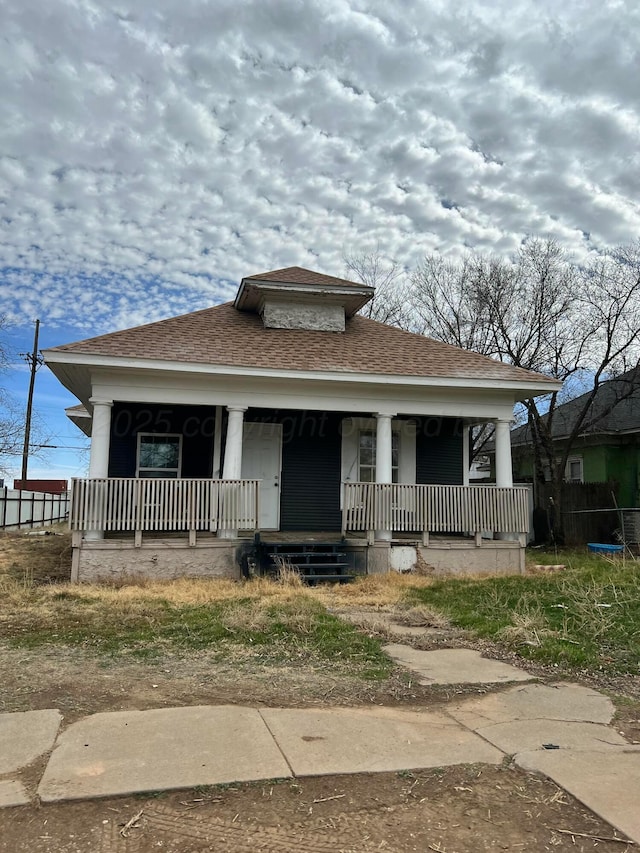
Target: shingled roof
[(300, 275), (615, 409), (224, 336)]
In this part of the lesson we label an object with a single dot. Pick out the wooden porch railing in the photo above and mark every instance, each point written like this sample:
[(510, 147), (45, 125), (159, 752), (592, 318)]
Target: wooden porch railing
[(134, 504), (434, 509)]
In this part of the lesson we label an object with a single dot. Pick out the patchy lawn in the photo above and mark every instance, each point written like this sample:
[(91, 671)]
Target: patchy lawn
[(283, 622), (43, 556), (586, 616), (84, 649), (261, 641)]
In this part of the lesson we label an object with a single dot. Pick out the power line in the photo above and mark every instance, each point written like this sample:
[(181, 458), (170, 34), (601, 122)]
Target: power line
[(59, 447)]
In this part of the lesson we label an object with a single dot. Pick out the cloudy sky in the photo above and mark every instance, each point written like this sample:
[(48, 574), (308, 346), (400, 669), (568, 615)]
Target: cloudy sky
[(153, 152)]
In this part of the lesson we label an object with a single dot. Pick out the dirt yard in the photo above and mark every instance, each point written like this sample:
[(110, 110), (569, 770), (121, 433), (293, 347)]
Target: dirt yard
[(455, 810)]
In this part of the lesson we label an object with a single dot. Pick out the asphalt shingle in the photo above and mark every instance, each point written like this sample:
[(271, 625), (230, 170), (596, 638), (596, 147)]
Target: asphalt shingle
[(224, 336)]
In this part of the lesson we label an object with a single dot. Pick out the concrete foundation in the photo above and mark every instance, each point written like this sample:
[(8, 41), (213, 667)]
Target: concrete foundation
[(164, 559), (378, 558), (460, 557), (157, 559)]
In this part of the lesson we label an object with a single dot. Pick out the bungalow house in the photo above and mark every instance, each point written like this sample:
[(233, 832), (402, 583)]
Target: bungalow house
[(284, 423)]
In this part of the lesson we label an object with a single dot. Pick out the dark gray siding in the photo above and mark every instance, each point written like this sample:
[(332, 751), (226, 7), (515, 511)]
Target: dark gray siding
[(439, 451), (196, 424)]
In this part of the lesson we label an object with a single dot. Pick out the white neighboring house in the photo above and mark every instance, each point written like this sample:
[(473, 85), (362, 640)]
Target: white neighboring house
[(284, 422)]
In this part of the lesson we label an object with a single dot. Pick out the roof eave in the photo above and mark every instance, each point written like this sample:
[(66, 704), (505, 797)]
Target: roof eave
[(81, 418), (252, 291), (522, 389)]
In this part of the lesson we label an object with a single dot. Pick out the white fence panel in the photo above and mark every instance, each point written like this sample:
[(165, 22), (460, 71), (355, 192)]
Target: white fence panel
[(20, 508)]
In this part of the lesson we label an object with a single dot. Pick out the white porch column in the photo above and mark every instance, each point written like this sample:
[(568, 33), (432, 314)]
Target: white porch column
[(504, 469), (466, 465), (100, 438), (232, 467), (99, 454), (217, 444), (384, 459)]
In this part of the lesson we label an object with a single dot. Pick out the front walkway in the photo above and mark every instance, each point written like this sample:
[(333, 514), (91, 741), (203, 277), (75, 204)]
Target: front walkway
[(561, 730)]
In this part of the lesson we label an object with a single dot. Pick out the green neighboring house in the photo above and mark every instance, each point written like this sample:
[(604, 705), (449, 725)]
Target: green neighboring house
[(608, 447)]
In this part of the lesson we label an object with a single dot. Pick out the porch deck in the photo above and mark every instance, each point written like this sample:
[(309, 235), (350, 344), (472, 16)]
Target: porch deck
[(169, 528)]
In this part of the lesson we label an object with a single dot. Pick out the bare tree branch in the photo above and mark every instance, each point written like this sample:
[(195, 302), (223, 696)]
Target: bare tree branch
[(539, 311), (390, 300)]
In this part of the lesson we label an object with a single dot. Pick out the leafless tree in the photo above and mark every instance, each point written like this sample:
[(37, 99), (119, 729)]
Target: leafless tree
[(448, 302), (390, 303), (11, 430), (541, 312)]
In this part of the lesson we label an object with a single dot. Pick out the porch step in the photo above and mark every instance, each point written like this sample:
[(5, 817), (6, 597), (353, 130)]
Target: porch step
[(317, 562), (313, 564), (312, 580), (306, 555)]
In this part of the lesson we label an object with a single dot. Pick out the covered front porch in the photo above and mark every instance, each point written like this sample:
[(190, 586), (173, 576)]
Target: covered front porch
[(165, 527), (176, 490)]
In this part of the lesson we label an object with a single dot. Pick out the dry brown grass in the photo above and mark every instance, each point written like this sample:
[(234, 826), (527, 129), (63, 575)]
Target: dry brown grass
[(420, 616), (529, 628), (287, 573), (182, 591), (36, 558), (376, 591), (382, 591), (47, 604), (298, 615), (33, 568)]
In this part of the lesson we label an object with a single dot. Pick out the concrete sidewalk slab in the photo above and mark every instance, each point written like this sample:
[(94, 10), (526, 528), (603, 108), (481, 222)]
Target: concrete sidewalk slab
[(570, 702), (526, 735), (13, 793), (360, 740), (608, 783), (454, 666), (25, 736), (132, 751)]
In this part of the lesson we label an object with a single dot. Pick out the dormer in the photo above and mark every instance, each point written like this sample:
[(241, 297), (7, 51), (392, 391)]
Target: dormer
[(296, 298)]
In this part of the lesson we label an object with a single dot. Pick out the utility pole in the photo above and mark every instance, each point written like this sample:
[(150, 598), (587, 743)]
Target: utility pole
[(34, 360)]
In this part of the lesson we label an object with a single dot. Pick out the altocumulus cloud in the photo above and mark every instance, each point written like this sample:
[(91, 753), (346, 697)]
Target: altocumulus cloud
[(153, 152)]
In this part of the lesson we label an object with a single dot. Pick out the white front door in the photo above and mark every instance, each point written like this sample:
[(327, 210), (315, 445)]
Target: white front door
[(261, 460)]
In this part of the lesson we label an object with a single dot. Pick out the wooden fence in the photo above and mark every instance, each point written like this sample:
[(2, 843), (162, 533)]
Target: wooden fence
[(21, 508), (587, 511)]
